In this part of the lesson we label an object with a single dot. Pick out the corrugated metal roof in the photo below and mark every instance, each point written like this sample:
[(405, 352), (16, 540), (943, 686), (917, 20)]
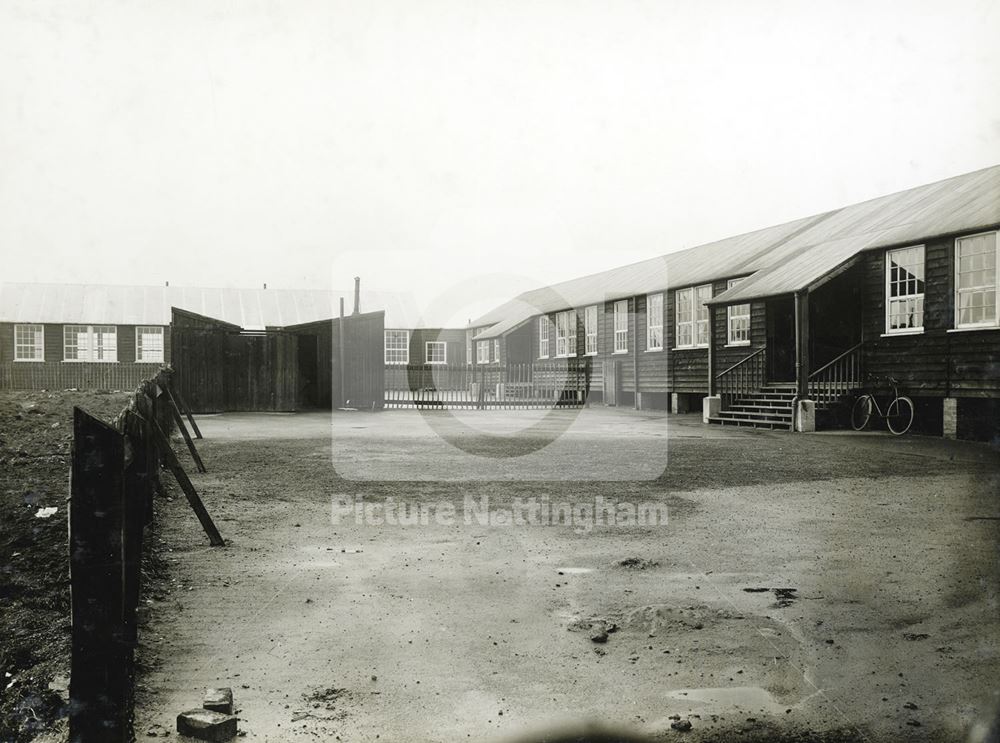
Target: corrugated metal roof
[(780, 259), (150, 305)]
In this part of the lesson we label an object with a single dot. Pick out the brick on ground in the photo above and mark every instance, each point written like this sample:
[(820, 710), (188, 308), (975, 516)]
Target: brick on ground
[(205, 724)]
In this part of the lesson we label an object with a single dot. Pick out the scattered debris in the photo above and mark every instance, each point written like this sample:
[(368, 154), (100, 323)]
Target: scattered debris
[(681, 725), (219, 700), (637, 563), (913, 636), (46, 512), (205, 724), (599, 637)]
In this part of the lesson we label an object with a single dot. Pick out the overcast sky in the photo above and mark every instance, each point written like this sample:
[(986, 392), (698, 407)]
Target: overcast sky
[(464, 150)]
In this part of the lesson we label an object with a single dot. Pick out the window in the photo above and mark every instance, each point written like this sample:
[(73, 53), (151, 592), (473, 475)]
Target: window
[(566, 333), (149, 344), (482, 352), (90, 343), (397, 346), (737, 320), (468, 346), (621, 326), (543, 337), (436, 352), (904, 290), (692, 316), (496, 351), (976, 303), (29, 343), (654, 322), (590, 330)]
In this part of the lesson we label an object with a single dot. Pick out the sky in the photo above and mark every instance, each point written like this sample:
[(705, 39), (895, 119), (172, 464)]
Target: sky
[(462, 150)]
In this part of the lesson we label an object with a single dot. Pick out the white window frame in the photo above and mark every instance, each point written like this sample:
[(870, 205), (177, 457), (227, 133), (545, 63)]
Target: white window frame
[(482, 352), (687, 299), (37, 344), (496, 351), (566, 334), (590, 330), (543, 337), (400, 356), (917, 297), (654, 322), (95, 350), (737, 312), (468, 347), (995, 286), (620, 315), (428, 355), (140, 353)]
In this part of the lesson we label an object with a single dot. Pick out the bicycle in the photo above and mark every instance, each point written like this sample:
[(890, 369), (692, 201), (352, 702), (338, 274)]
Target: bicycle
[(898, 415)]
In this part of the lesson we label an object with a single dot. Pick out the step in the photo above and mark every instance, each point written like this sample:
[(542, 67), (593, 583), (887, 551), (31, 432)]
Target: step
[(747, 408), (730, 414), (750, 422)]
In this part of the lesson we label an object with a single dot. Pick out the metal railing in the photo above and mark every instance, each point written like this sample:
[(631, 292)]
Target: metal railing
[(743, 378), (837, 378)]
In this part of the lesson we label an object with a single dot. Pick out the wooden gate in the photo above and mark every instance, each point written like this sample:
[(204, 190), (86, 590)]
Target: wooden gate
[(612, 381), (220, 367)]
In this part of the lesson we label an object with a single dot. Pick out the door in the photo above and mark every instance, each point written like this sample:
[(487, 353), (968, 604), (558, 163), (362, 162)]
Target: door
[(781, 339), (612, 374)]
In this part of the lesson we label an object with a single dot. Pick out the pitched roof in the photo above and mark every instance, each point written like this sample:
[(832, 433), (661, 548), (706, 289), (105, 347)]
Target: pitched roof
[(150, 305), (780, 259)]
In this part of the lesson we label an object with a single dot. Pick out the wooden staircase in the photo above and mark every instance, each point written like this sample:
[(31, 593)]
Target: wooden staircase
[(768, 407)]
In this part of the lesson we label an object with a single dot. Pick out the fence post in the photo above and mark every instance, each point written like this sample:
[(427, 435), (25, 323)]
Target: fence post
[(99, 680)]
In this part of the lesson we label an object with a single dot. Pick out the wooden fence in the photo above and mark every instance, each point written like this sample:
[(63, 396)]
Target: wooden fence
[(64, 375), (115, 471), (561, 383)]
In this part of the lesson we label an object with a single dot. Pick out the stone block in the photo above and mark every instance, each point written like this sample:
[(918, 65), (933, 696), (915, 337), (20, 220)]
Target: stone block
[(205, 724)]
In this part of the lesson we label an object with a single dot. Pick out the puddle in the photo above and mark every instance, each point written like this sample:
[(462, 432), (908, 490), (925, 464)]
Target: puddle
[(574, 571), (749, 698)]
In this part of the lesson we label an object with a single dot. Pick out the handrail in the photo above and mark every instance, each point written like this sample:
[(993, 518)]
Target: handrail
[(823, 368), (741, 362)]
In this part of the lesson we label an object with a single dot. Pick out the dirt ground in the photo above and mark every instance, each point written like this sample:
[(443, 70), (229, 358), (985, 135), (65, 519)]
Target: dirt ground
[(35, 437), (806, 587)]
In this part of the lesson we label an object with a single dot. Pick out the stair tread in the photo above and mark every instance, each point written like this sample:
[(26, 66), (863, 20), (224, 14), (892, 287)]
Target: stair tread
[(750, 421)]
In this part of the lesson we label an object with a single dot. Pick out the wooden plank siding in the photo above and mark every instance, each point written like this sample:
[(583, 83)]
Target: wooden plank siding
[(55, 373), (933, 363)]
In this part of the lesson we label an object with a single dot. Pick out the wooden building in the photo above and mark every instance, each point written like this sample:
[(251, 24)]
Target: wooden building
[(777, 326), (56, 336)]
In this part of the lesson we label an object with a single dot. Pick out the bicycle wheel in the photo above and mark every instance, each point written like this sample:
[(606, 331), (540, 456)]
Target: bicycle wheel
[(899, 417), (861, 412)]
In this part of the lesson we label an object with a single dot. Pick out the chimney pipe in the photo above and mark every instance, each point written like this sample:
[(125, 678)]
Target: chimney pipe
[(357, 294), (265, 285)]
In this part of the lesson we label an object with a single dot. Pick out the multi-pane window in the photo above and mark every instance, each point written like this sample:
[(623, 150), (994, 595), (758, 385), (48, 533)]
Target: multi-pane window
[(482, 352), (621, 326), (566, 333), (654, 322), (397, 346), (29, 343), (149, 344), (904, 289), (90, 343), (590, 329), (737, 320), (976, 299), (496, 351), (436, 352), (692, 316), (543, 337)]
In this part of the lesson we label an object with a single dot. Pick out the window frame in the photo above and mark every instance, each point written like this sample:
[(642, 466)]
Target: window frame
[(405, 349), (650, 327), (566, 335), (696, 321), (544, 337), (138, 345), (496, 350), (38, 349), (427, 352), (889, 299), (480, 345), (620, 333), (731, 315), (93, 348), (957, 292), (590, 330)]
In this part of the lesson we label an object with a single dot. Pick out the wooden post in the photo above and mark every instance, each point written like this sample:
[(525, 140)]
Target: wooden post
[(186, 409), (172, 464), (179, 422), (340, 349), (99, 679), (711, 351), (635, 352), (802, 344)]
